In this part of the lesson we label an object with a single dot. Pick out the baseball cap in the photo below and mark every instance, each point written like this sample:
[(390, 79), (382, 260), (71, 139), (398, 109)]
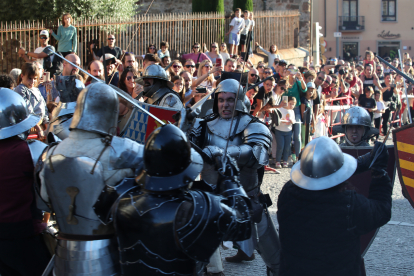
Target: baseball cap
[(282, 62), (310, 85), (44, 32)]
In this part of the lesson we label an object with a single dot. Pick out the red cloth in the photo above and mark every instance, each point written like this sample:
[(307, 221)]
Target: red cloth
[(17, 206), (327, 90)]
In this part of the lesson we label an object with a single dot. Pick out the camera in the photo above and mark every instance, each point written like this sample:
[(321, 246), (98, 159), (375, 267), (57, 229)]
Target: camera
[(343, 71)]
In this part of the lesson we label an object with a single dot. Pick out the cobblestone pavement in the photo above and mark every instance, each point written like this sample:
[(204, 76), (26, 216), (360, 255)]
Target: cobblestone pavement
[(391, 253)]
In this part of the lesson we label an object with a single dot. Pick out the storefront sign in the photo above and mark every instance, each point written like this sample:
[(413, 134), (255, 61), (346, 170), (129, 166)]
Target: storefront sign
[(351, 37), (388, 35)]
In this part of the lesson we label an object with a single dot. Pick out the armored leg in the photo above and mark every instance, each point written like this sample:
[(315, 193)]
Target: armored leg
[(215, 265), (268, 245)]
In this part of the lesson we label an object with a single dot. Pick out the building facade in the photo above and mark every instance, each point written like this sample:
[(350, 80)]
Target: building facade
[(381, 26)]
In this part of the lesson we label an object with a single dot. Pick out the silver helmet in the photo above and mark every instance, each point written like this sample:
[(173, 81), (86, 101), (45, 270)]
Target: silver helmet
[(154, 71), (322, 165), (356, 116), (96, 110), (14, 116), (231, 86)]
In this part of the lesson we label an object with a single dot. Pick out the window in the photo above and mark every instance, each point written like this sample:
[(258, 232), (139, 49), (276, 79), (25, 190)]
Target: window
[(389, 9)]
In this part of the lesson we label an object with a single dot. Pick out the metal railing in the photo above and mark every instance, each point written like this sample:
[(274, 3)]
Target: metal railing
[(351, 23)]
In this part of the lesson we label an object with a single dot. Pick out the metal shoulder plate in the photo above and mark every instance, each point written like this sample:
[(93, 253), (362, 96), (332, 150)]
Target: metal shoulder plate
[(211, 222), (171, 100), (36, 149), (258, 133), (125, 154)]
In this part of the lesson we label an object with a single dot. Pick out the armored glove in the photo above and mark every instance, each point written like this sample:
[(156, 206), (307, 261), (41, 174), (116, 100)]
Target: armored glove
[(379, 156), (364, 161), (213, 151)]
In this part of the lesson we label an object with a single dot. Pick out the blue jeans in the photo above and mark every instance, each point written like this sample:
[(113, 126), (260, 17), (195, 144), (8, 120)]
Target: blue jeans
[(297, 131), (283, 139)]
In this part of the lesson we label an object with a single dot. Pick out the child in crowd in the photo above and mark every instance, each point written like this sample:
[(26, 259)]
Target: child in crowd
[(283, 133), (320, 126), (164, 50), (368, 102), (306, 101), (380, 110), (369, 59), (252, 93), (244, 34), (236, 27), (32, 96)]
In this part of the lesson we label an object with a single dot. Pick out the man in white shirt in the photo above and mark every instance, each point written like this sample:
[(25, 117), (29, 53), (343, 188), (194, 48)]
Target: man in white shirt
[(236, 27), (39, 55)]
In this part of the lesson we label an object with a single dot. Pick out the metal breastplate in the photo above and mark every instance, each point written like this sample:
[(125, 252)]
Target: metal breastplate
[(67, 87), (144, 225), (218, 131), (36, 149), (217, 135), (95, 258), (73, 190)]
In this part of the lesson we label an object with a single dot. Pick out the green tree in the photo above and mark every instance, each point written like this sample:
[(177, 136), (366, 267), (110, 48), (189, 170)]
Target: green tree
[(208, 6), (243, 5), (53, 9)]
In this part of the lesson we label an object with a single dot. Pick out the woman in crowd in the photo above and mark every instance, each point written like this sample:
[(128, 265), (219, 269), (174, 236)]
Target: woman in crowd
[(223, 52), (66, 36), (272, 54), (127, 82), (175, 68), (283, 133), (150, 50), (205, 76), (213, 54), (196, 55), (179, 86)]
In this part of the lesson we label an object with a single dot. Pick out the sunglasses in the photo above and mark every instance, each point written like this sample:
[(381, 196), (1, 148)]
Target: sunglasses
[(207, 65), (267, 73), (43, 37), (111, 38), (260, 66), (196, 47), (327, 82), (189, 66), (129, 78), (176, 66), (152, 48), (254, 75), (379, 70), (213, 46), (223, 45), (319, 78)]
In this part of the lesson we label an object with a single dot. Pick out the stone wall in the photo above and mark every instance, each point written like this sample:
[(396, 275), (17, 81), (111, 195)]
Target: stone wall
[(182, 6)]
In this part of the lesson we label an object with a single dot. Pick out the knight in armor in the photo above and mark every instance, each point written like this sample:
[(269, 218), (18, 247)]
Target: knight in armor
[(356, 124), (158, 88), (321, 216), (67, 87), (75, 178), (22, 249), (165, 228), (248, 143)]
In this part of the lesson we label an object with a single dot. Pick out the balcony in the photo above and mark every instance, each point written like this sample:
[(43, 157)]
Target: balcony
[(351, 23)]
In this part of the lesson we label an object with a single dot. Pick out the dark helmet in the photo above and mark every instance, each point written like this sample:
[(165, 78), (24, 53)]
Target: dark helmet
[(169, 160)]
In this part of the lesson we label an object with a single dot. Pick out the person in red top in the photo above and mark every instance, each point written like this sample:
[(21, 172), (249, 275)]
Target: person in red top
[(22, 249)]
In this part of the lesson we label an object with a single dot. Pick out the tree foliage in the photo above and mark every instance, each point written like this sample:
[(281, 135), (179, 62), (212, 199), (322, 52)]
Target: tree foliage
[(243, 5), (208, 6), (54, 9)]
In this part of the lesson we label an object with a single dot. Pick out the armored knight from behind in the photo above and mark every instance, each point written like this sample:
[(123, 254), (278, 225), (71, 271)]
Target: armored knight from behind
[(248, 144), (22, 249), (74, 175), (168, 229), (157, 88)]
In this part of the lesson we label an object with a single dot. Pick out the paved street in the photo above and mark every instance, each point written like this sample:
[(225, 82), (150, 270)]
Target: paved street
[(391, 253)]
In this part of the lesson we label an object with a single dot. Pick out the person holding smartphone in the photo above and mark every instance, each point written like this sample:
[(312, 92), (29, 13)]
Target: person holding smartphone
[(297, 86)]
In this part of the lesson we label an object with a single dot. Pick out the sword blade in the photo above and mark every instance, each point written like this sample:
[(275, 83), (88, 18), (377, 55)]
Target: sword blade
[(200, 102)]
